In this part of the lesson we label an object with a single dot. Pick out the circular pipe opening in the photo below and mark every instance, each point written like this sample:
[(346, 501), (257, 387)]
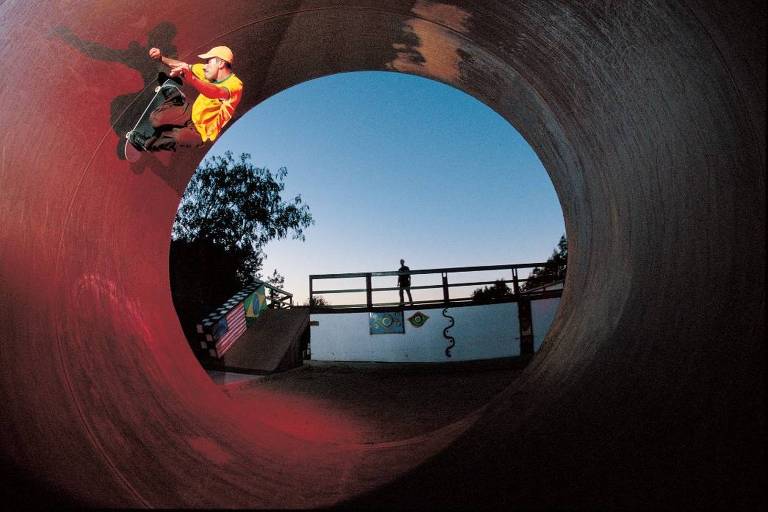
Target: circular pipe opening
[(434, 128), (644, 118)]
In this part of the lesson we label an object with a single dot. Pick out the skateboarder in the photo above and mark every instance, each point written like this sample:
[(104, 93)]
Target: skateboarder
[(176, 123)]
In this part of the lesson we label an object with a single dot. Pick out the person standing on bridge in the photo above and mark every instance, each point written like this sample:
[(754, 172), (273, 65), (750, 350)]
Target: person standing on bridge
[(404, 282), (176, 123)]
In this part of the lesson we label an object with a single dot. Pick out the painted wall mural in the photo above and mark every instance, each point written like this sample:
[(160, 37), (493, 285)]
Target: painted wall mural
[(389, 322), (418, 319), (255, 304)]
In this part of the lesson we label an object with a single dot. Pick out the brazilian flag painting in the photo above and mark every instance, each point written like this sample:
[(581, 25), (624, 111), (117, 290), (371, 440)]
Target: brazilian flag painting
[(254, 304), (390, 322)]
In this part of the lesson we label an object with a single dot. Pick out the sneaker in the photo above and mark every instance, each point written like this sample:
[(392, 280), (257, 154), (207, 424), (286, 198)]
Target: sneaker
[(136, 139), (148, 143)]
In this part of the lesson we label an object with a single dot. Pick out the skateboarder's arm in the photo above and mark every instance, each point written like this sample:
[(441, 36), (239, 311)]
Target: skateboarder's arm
[(207, 88), (204, 87), (171, 63), (157, 55), (182, 68)]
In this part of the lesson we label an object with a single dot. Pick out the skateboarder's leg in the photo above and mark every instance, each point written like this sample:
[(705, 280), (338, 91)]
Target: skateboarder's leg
[(187, 137), (169, 139), (170, 114), (154, 132), (161, 141)]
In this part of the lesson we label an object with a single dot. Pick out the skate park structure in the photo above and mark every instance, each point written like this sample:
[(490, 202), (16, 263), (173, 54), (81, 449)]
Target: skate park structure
[(649, 389), (369, 326)]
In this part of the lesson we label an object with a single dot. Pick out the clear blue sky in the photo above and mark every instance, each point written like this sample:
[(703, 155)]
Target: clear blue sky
[(397, 166)]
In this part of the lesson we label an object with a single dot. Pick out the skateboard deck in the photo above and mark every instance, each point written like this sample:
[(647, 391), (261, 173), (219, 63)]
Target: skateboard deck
[(143, 129)]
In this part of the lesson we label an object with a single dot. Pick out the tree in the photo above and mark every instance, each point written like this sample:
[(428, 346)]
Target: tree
[(235, 206), (229, 211), (554, 268), (316, 301), (278, 281), (499, 290)]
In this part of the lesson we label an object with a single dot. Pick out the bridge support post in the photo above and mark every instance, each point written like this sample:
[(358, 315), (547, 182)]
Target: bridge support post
[(525, 319), (515, 282), (446, 296), (368, 291)]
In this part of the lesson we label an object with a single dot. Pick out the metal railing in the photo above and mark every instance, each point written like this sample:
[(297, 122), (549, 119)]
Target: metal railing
[(445, 285), (278, 299)]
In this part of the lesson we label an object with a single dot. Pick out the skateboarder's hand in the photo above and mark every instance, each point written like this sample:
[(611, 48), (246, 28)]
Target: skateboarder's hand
[(180, 69), (155, 53)]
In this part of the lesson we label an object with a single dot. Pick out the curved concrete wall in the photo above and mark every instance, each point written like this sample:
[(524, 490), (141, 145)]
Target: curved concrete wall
[(650, 119)]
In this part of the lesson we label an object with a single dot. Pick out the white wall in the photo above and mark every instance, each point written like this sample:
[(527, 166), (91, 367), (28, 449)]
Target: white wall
[(542, 313), (481, 332)]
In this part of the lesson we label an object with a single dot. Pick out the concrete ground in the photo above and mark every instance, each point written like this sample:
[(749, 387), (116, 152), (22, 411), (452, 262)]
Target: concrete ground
[(387, 402)]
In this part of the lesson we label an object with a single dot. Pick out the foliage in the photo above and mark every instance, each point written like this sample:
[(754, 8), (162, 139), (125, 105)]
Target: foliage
[(278, 281), (499, 290), (316, 301), (229, 211), (233, 205), (554, 268)]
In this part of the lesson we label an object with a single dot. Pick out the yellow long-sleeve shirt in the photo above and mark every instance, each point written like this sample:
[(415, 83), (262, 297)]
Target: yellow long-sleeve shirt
[(210, 114)]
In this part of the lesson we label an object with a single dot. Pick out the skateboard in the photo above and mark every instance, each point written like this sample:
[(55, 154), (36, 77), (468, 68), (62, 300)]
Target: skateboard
[(143, 129)]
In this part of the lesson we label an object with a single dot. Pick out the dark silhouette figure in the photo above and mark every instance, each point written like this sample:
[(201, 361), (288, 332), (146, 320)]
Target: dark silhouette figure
[(404, 282), (126, 109)]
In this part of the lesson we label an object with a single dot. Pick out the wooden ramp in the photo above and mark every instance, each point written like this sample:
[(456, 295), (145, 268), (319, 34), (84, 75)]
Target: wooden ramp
[(273, 343)]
